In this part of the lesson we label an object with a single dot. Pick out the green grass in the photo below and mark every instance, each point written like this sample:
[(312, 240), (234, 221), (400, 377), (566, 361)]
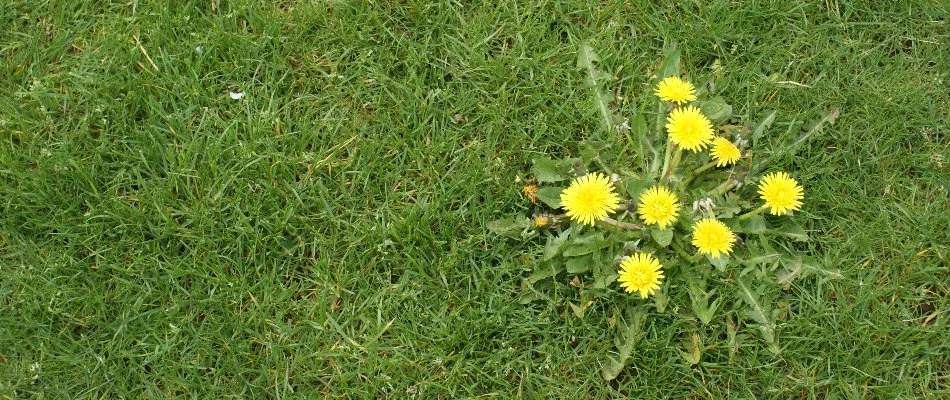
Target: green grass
[(324, 236)]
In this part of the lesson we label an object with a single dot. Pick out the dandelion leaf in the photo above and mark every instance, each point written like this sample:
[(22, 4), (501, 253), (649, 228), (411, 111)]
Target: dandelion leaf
[(694, 349), (555, 244), (716, 109), (578, 265), (547, 170), (550, 196), (663, 237), (762, 126), (629, 334), (759, 311), (508, 225)]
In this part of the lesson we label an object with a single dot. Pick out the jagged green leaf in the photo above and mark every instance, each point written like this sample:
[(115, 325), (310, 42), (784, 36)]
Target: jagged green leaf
[(638, 136), (586, 56), (586, 245), (635, 187), (822, 268), (591, 149), (555, 244), (828, 118), (798, 267), (694, 349), (544, 271), (630, 333), (671, 62), (720, 262), (759, 312), (547, 170), (792, 270), (586, 60), (762, 258), (671, 67), (755, 224), (604, 280), (793, 230), (699, 301), (661, 298)]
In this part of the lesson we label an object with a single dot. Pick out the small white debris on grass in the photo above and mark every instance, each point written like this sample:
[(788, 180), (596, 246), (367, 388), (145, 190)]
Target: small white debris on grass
[(706, 204), (237, 95)]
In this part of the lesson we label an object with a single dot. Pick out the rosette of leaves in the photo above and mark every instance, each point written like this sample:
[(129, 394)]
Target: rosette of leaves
[(710, 297)]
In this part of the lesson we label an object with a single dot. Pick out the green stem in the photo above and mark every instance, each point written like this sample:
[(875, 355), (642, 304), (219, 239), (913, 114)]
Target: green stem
[(723, 187), (670, 160), (661, 112), (752, 213), (667, 155), (603, 166), (607, 220), (622, 225), (697, 171), (682, 253)]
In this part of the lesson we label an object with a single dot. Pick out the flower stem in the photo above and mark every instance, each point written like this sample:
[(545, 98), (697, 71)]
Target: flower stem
[(667, 155), (609, 221), (622, 225), (662, 111), (752, 213), (672, 162), (697, 171), (682, 253), (723, 187)]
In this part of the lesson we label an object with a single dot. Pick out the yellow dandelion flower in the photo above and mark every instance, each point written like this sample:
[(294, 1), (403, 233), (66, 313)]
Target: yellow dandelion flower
[(675, 90), (689, 128), (781, 193), (531, 192), (589, 198), (724, 152), (658, 205), (642, 273), (713, 237), (541, 221)]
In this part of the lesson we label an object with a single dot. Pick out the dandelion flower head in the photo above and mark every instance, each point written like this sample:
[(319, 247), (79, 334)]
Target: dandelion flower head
[(781, 193), (724, 152), (531, 192), (541, 221), (642, 273), (658, 205), (675, 90), (589, 198), (713, 237), (689, 128)]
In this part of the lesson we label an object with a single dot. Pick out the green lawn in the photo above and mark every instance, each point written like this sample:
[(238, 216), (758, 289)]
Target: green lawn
[(324, 236)]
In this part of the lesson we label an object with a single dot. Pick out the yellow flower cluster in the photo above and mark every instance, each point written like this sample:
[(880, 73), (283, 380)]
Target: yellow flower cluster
[(592, 198), (690, 129)]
